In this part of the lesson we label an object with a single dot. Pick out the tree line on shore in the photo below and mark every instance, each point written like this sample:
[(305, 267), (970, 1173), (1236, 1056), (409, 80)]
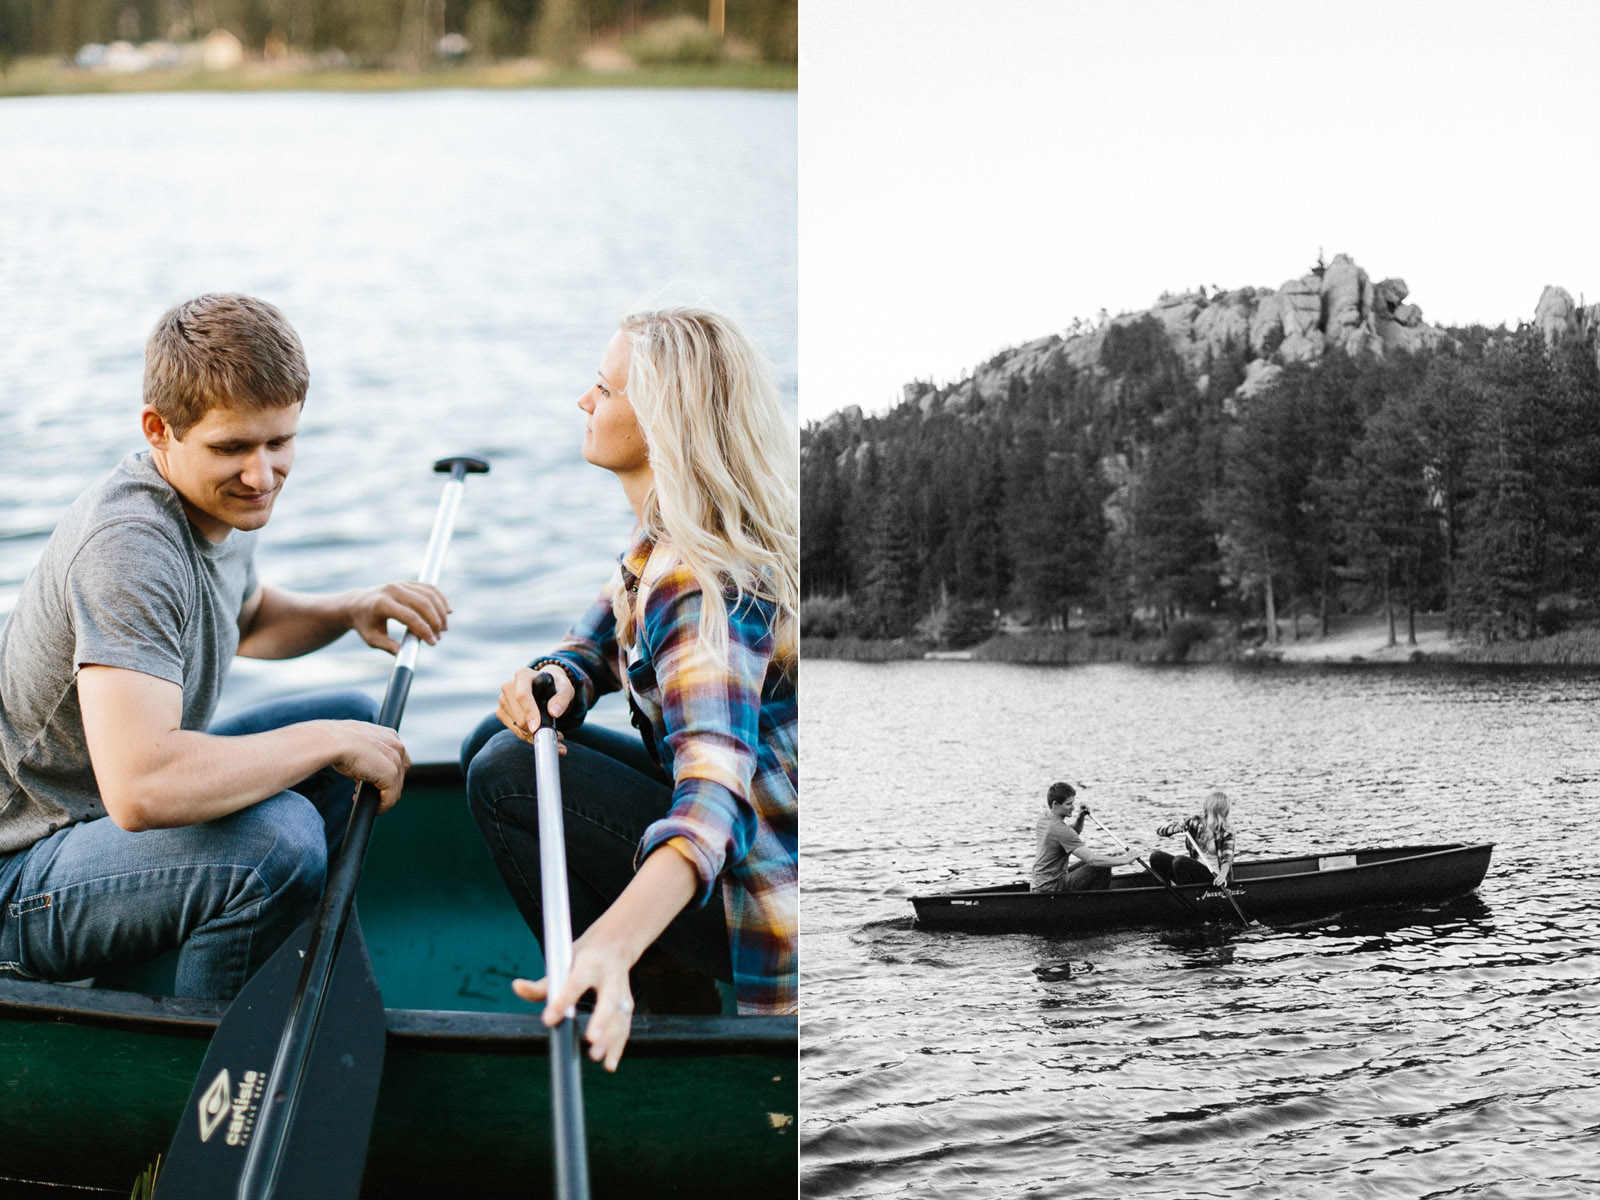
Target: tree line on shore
[(1463, 479), (391, 32)]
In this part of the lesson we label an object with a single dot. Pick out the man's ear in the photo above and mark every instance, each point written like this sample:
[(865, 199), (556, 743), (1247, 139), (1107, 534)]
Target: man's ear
[(155, 428)]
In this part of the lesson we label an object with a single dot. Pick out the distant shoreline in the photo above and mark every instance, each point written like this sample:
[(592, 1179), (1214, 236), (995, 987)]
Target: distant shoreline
[(1353, 642), (50, 77)]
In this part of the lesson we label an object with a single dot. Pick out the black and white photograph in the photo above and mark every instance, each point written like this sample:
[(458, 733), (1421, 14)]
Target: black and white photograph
[(1201, 600)]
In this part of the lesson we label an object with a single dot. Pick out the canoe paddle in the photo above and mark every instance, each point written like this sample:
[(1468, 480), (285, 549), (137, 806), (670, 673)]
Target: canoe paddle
[(282, 1108), (566, 1078), (1182, 899)]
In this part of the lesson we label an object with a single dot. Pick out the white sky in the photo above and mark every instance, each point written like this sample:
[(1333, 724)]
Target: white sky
[(977, 173)]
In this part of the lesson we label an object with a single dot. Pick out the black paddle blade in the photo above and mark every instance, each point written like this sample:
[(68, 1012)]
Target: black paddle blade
[(326, 1148)]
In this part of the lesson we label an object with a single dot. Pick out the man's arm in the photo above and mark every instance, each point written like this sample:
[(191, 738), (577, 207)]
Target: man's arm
[(1096, 859), (276, 623), (153, 774)]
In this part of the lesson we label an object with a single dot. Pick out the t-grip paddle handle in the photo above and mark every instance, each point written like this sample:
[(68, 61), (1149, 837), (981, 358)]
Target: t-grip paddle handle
[(461, 464), (544, 690)]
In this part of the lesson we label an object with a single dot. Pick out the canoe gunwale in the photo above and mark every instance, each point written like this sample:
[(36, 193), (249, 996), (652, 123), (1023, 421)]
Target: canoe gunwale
[(425, 1029)]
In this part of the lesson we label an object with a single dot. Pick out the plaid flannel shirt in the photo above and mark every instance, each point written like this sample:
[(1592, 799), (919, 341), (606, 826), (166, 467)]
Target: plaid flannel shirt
[(1217, 846), (728, 738)]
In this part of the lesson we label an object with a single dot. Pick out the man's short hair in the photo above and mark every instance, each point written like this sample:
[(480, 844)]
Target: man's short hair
[(1060, 793), (222, 350)]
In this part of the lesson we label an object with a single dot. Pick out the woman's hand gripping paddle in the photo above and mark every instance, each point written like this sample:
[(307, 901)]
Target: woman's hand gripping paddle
[(566, 1079), (282, 1109)]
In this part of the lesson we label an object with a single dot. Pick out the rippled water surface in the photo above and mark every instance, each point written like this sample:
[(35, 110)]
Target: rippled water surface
[(1448, 1051), (454, 262)]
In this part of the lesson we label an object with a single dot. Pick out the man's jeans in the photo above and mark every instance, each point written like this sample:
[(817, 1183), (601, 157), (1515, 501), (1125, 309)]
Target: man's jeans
[(611, 792), (226, 893)]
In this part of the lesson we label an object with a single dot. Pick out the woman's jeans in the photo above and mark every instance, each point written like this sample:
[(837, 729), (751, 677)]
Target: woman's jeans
[(226, 893), (1179, 868), (611, 792)]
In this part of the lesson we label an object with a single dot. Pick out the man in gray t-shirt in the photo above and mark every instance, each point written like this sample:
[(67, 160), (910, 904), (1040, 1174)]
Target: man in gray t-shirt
[(130, 824), (1058, 836)]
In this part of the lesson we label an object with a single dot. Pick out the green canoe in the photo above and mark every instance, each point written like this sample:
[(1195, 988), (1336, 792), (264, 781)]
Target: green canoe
[(93, 1080)]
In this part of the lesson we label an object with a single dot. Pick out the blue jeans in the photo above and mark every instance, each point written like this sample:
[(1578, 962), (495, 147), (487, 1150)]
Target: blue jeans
[(93, 897), (611, 792)]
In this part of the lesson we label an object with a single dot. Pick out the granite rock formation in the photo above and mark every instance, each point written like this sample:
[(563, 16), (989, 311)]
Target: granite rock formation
[(1334, 306)]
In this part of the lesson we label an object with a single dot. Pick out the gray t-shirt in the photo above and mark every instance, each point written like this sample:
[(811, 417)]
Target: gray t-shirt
[(1056, 841), (125, 581)]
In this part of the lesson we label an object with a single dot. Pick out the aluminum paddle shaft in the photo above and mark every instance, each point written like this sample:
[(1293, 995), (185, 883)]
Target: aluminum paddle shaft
[(281, 1097), (566, 1078)]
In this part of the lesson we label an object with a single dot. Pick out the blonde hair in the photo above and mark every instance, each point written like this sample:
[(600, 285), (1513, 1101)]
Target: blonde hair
[(222, 350), (1214, 818), (725, 495)]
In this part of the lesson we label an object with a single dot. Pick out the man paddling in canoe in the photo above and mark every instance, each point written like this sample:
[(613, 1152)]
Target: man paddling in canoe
[(129, 823), (1060, 840)]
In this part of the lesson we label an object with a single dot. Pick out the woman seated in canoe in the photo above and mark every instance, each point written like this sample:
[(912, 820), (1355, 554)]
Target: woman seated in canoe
[(682, 842), (1209, 838), (1059, 837)]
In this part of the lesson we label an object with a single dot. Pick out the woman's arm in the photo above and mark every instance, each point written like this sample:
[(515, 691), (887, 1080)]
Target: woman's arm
[(602, 957), (1225, 855), (589, 652), (710, 728), (581, 668), (709, 725), (1190, 825)]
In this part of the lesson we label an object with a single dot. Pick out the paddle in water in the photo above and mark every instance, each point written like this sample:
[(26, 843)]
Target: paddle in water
[(566, 1078), (282, 1108)]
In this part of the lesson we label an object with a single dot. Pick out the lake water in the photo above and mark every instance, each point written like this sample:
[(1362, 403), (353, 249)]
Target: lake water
[(1420, 1052), (454, 262)]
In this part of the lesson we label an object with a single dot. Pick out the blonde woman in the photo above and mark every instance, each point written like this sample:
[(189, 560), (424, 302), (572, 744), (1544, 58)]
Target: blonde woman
[(1209, 838), (682, 842)]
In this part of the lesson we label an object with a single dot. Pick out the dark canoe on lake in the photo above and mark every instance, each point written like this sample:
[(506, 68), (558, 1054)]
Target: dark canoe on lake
[(1267, 889), (93, 1080)]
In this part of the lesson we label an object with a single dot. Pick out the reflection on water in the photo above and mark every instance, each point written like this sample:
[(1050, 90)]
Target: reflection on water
[(1431, 1051), (454, 262)]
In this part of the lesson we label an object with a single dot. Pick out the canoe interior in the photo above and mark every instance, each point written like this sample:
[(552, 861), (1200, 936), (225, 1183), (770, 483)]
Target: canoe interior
[(440, 926), (464, 1107)]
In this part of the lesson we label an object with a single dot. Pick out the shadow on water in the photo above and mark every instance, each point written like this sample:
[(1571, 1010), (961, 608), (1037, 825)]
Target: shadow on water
[(1206, 946), (1459, 915)]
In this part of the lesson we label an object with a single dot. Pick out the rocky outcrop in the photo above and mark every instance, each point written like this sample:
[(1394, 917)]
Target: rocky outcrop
[(1557, 315), (1334, 306), (1337, 305), (1258, 376), (848, 419)]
